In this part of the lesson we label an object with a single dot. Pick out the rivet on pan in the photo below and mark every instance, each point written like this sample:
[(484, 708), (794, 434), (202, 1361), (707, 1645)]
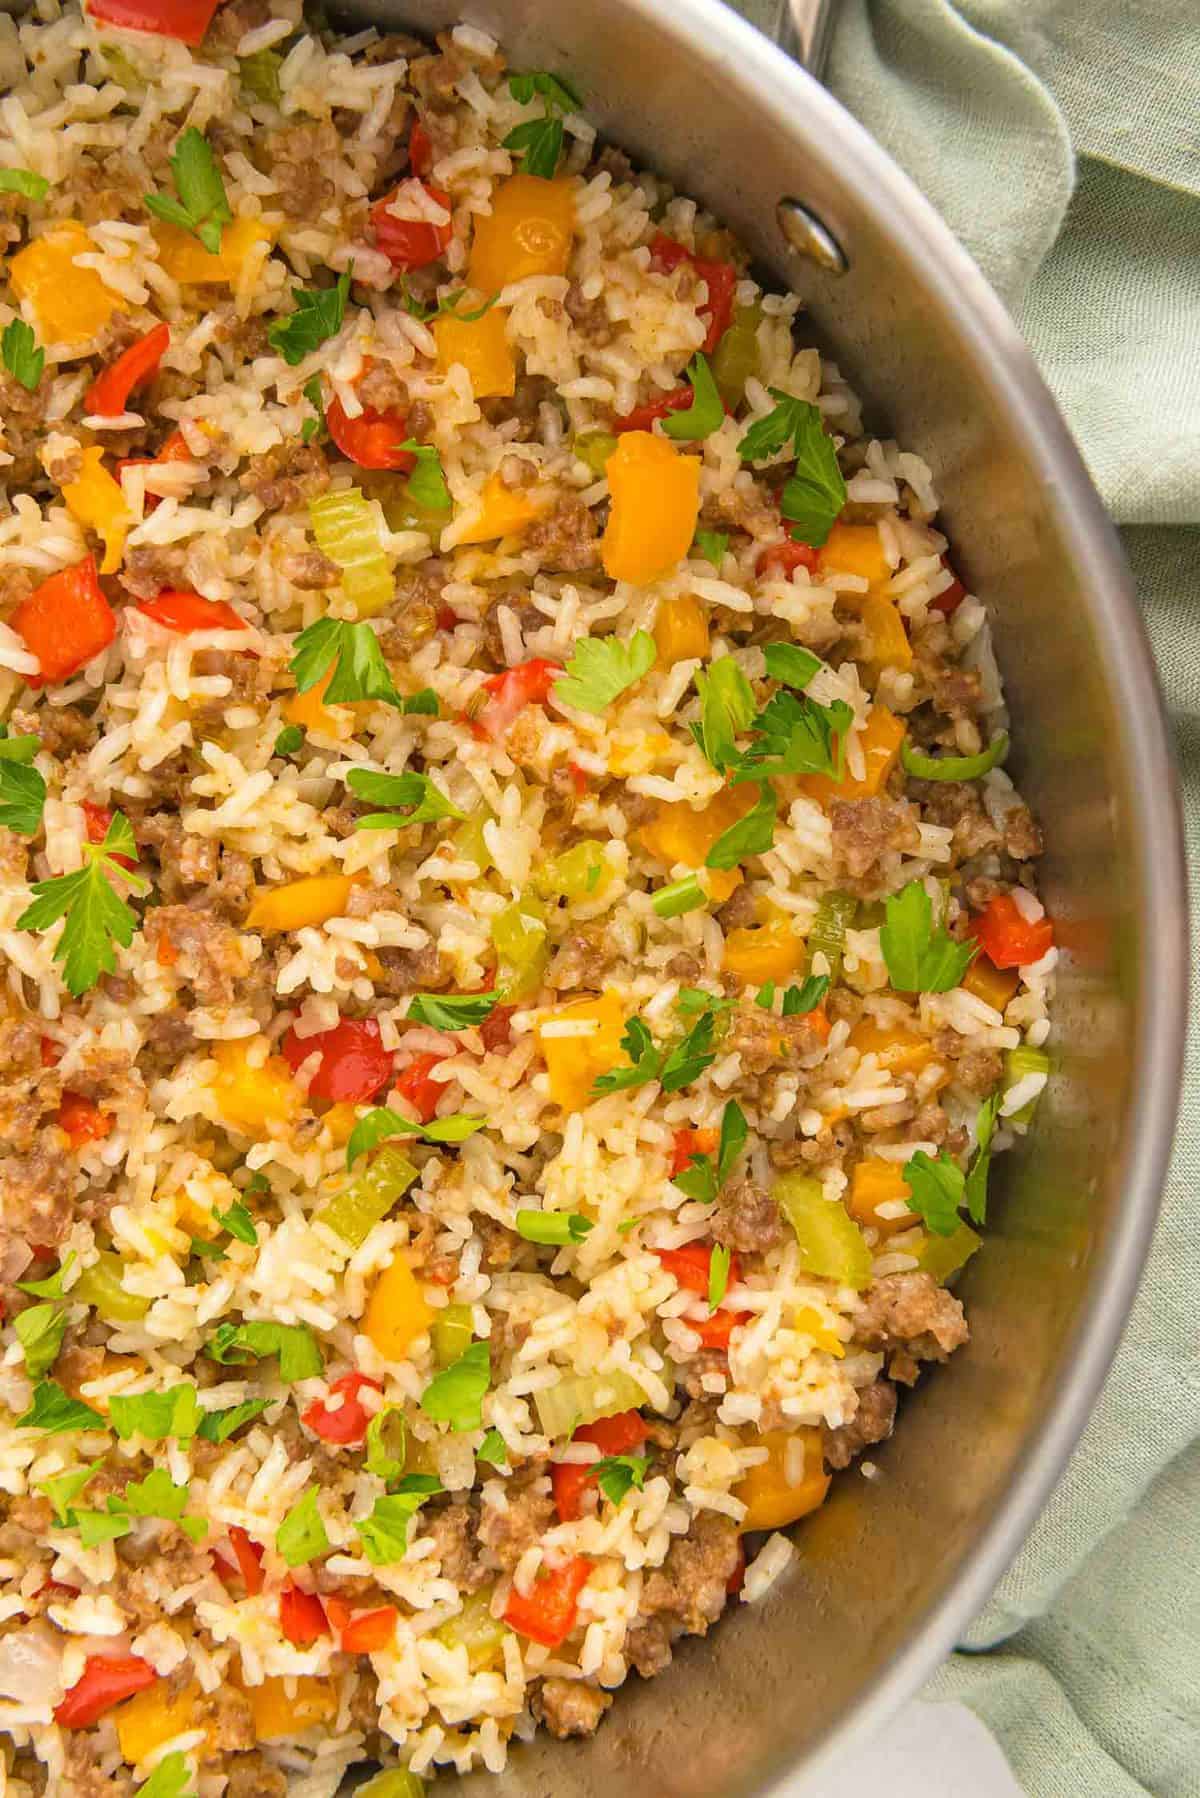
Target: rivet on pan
[(809, 237)]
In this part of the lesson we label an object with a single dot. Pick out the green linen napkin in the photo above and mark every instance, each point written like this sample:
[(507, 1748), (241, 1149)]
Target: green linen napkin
[(1061, 141)]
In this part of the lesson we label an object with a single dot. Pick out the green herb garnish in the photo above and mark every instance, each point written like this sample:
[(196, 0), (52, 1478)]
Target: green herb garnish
[(302, 1534), (21, 358), (381, 1123), (920, 958), (705, 413), (353, 651), (451, 1011), (816, 491), (553, 1229), (455, 1396), (416, 791), (202, 207), (319, 314), (600, 668), (95, 917)]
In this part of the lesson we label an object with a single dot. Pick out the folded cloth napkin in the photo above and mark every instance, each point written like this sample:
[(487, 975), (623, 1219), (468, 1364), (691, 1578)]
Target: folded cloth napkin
[(1061, 141)]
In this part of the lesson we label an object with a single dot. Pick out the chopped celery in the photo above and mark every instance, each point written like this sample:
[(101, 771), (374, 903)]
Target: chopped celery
[(831, 1243), (346, 527), (827, 934), (593, 448), (100, 1285), (356, 1210), (259, 75), (519, 933), (1018, 1063), (452, 1333), (476, 1630), (736, 357), (398, 1782), (578, 873), (562, 1408), (942, 1256), (467, 840)]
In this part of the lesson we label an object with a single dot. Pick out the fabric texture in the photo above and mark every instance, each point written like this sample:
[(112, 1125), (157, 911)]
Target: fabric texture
[(1059, 139)]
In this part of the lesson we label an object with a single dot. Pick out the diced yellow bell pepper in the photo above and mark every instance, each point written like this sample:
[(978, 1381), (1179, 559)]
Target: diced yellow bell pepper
[(152, 1717), (482, 346), (856, 549), (313, 900), (898, 1050), (340, 1120), (186, 260), (637, 751), (809, 1322), (573, 1062), (771, 1501), (527, 232), (253, 1098), (70, 304), (995, 986), (885, 643), (96, 500), (880, 740), (767, 951), (681, 629), (396, 1311), (655, 493), (873, 1183), (503, 512), (287, 1707)]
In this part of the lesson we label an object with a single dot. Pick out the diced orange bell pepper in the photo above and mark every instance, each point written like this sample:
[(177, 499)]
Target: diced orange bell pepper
[(771, 1500), (527, 232), (311, 901), (186, 260), (482, 347), (70, 304), (995, 986), (396, 1311), (253, 1098), (340, 1120), (767, 951), (655, 492), (310, 712), (897, 1049), (681, 629), (153, 1717), (855, 549), (574, 1060), (885, 642), (873, 1183), (682, 833), (880, 740), (95, 499), (287, 1707), (503, 512)]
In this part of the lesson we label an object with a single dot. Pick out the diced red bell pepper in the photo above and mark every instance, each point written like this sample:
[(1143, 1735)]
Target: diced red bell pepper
[(109, 393), (354, 1064), (410, 243), (83, 1120), (187, 20), (185, 612), (301, 1617), (529, 683), (948, 602), (347, 1424), (719, 277), (414, 1084), (579, 779), (373, 439), (65, 622), (737, 1578), (496, 1030), (1008, 939), (643, 417), (447, 618), (714, 1332), (618, 1435), (690, 1266), (420, 149), (689, 1143), (786, 557), (547, 1614), (369, 1631), (249, 1559), (51, 1052), (58, 1587), (97, 819), (175, 449), (106, 1680)]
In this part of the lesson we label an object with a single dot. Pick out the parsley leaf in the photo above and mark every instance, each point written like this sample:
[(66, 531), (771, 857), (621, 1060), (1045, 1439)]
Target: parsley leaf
[(555, 90), (493, 1449), (21, 359), (22, 795), (705, 413), (202, 207), (218, 1426), (294, 1344), (387, 1443), (24, 181), (380, 1123), (977, 1174), (302, 1534), (689, 1057), (751, 835), (602, 667), (63, 1488), (617, 1475), (40, 1330), (157, 1416), (353, 651), (238, 1221), (553, 1228), (95, 916), (726, 707), (795, 735), (455, 1396), (416, 790), (539, 143), (384, 1534), (96, 1527), (816, 491), (674, 1066), (52, 1286), (645, 1061), (155, 1496), (936, 1190), (318, 316), (703, 1178), (797, 1000), (289, 740), (718, 1274), (919, 958), (791, 663), (767, 436), (313, 429), (170, 1779), (450, 1011), (427, 483), (54, 1411), (712, 546), (690, 1000)]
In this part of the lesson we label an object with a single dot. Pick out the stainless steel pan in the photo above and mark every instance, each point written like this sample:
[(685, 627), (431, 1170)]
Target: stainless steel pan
[(889, 1573)]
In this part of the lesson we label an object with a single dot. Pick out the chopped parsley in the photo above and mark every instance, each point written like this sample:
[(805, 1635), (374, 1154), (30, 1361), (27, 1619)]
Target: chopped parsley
[(712, 546), (421, 799), (493, 1449), (95, 916), (726, 707), (24, 181), (302, 1535), (55, 1411), (705, 413), (384, 1534), (718, 1274), (62, 1488), (617, 1475), (295, 1345), (40, 1330), (752, 835), (816, 491), (427, 483), (975, 1190), (381, 1123), (52, 1286), (239, 1223), (703, 1177), (673, 1066), (920, 958), (795, 735), (600, 668), (791, 663), (353, 652), (21, 358), (553, 1228), (289, 740), (202, 207), (451, 1011), (935, 1190), (318, 316), (797, 1000), (539, 142), (172, 1777), (219, 1426), (158, 1416), (313, 429), (455, 1396)]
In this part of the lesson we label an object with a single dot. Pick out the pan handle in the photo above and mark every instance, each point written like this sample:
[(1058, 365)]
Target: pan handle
[(803, 28)]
